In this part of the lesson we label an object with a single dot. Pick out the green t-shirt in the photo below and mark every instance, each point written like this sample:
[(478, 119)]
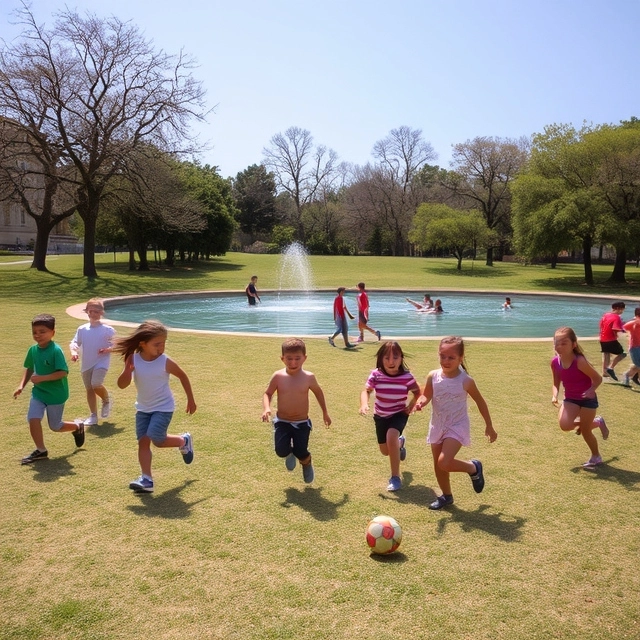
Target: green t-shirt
[(43, 362)]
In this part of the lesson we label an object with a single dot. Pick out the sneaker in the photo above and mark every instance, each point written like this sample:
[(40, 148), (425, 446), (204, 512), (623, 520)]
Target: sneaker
[(441, 501), (477, 480), (348, 345), (612, 374), (403, 451), (378, 335), (78, 434), (187, 448), (91, 420), (331, 342), (35, 455), (602, 425), (635, 379), (592, 462), (105, 412), (290, 462), (307, 473), (360, 339), (142, 485), (626, 381), (394, 483)]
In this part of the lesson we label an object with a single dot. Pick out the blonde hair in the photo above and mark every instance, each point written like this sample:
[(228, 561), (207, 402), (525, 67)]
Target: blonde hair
[(95, 302), (130, 344), (568, 332)]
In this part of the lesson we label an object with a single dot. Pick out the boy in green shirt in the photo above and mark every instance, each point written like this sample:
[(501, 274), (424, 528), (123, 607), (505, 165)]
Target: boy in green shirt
[(46, 367)]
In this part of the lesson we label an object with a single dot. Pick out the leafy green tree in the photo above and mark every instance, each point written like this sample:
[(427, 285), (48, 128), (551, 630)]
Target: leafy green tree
[(254, 190)]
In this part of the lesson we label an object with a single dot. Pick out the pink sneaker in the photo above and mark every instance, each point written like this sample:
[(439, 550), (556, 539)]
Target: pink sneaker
[(592, 462), (602, 425), (360, 339)]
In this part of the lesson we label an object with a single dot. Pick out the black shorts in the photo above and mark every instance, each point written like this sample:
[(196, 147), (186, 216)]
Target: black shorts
[(613, 347), (384, 423), (585, 403)]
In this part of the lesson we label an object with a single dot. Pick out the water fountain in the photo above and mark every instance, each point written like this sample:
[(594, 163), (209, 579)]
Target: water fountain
[(295, 269)]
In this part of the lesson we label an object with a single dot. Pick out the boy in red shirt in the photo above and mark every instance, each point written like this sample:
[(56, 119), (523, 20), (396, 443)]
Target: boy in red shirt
[(610, 327)]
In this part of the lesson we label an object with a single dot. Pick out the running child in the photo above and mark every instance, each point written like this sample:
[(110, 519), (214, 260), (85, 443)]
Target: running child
[(392, 382), (93, 341), (146, 362), (291, 425), (447, 388), (580, 380), (46, 368), (610, 327), (363, 314), (340, 313), (633, 329)]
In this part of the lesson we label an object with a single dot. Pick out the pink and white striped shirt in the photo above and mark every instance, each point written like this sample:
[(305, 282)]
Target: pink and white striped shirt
[(391, 391)]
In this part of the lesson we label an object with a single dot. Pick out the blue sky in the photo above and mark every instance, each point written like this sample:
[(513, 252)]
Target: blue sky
[(349, 71)]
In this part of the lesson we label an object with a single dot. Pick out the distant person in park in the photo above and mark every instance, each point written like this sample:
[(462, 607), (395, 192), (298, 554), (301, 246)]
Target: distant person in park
[(633, 329), (340, 313), (425, 305), (92, 341), (363, 314), (580, 381), (392, 382), (46, 368), (447, 389), (150, 368), (610, 327), (252, 292), (506, 305), (291, 425)]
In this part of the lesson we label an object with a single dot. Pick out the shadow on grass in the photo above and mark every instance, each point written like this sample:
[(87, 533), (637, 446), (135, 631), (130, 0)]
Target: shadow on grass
[(164, 505), (477, 270), (105, 430), (630, 480), (313, 502), (53, 469), (397, 557)]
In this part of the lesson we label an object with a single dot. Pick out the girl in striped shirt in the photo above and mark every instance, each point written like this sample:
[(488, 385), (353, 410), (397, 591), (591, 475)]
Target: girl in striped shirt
[(392, 383)]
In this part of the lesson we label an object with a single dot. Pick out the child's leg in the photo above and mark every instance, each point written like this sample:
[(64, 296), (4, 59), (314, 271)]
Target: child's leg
[(35, 429), (300, 442), (445, 462), (568, 415), (587, 425), (282, 438), (391, 448), (145, 455)]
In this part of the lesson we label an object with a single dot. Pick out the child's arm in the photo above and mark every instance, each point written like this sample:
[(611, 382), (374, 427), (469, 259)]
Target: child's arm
[(427, 394), (596, 378), (318, 393), (266, 398), (347, 310), (26, 376), (49, 377), (124, 379), (173, 368), (472, 389), (555, 389), (364, 401), (412, 403), (73, 348)]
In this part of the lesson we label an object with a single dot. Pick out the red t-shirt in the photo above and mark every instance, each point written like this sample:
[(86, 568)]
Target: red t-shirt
[(363, 302), (610, 324), (338, 308)]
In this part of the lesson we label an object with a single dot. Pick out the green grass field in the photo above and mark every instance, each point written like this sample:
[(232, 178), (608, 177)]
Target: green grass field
[(234, 547)]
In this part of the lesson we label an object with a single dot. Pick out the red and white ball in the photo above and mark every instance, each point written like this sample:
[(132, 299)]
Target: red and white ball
[(383, 535)]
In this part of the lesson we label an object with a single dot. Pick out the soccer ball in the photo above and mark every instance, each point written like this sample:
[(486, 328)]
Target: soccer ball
[(383, 535)]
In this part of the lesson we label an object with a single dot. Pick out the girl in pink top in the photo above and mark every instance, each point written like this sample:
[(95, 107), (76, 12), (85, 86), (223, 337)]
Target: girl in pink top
[(447, 389), (392, 383), (580, 380)]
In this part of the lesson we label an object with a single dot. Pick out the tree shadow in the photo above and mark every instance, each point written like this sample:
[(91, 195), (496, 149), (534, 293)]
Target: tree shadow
[(507, 528), (476, 270), (630, 480), (53, 469), (167, 505), (105, 430), (312, 501)]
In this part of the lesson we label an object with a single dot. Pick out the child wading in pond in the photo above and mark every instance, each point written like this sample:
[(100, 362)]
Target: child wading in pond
[(392, 383), (46, 368), (145, 361), (447, 389), (93, 340), (580, 380), (291, 426)]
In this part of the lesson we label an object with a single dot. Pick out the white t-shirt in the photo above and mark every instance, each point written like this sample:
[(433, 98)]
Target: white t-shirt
[(89, 340), (152, 382)]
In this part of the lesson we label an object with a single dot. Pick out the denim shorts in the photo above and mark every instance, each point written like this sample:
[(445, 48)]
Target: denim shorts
[(585, 403), (54, 412), (155, 425), (634, 354)]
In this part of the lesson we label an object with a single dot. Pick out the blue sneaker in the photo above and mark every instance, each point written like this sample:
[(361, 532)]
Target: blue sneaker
[(403, 451), (307, 473), (142, 485), (290, 462), (477, 479), (394, 483), (187, 448), (441, 501), (378, 335)]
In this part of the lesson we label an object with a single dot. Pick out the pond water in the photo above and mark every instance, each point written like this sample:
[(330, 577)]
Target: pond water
[(310, 314)]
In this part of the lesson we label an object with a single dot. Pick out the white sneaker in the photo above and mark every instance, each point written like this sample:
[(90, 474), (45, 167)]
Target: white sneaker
[(91, 420), (106, 407), (592, 462)]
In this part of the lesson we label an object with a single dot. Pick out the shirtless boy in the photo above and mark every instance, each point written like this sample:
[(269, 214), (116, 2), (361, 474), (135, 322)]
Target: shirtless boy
[(291, 425)]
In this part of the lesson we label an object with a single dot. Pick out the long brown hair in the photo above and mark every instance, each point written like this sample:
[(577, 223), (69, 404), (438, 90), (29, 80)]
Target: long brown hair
[(130, 344), (568, 332), (396, 349)]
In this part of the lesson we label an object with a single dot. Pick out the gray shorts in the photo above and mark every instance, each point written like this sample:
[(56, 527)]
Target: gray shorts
[(94, 377), (54, 412)]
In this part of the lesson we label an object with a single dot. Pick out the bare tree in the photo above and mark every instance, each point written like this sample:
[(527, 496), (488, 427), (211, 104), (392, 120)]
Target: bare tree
[(483, 169), (91, 91), (303, 171)]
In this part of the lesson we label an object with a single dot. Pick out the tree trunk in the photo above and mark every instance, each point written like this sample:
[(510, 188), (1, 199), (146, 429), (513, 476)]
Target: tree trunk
[(586, 258), (132, 258), (459, 268), (619, 267), (40, 248), (489, 261)]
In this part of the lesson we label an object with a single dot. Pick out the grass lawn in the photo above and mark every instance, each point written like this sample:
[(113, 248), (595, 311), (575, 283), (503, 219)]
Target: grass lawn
[(234, 547)]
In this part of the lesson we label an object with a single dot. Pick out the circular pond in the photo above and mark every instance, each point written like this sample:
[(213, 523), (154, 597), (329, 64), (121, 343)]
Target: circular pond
[(310, 314)]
